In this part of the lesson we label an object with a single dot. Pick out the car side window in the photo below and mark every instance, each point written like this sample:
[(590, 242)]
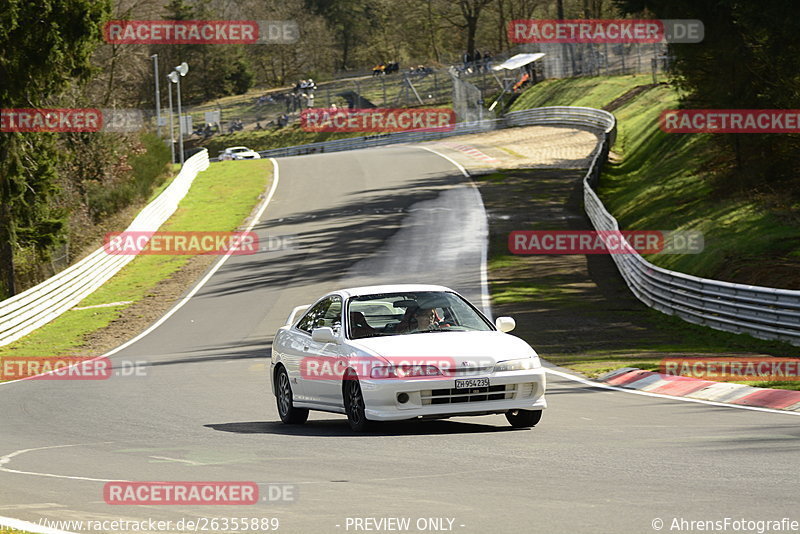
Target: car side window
[(327, 312), (333, 317), (309, 320)]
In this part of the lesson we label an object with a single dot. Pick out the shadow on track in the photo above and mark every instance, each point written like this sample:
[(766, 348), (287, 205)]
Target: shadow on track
[(243, 350), (339, 428), (344, 234)]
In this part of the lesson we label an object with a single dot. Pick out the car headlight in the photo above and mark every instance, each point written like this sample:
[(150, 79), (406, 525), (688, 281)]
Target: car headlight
[(522, 364)]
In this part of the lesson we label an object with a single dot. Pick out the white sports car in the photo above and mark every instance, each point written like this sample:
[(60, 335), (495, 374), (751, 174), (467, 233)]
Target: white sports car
[(396, 352), (237, 153)]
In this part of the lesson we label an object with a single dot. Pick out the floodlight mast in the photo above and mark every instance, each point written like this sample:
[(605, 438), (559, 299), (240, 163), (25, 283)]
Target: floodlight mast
[(154, 57), (172, 77), (175, 77)]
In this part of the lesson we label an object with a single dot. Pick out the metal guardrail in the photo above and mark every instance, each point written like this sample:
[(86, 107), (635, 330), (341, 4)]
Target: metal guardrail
[(559, 115), (355, 143), (37, 306), (763, 312)]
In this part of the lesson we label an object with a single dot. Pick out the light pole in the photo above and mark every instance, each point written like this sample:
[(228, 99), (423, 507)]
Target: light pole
[(171, 76), (154, 57), (175, 77)]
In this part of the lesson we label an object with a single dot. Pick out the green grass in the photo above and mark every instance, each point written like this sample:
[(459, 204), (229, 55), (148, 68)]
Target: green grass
[(661, 183), (586, 320), (291, 135), (656, 181), (590, 91), (219, 200), (174, 169)]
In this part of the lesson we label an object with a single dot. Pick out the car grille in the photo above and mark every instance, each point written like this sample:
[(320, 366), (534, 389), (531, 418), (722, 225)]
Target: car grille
[(453, 396), (468, 371)]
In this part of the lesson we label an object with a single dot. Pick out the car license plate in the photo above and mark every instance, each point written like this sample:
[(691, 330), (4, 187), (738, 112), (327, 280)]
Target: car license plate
[(469, 383)]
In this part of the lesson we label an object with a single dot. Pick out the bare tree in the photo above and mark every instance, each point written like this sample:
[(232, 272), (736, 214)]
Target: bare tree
[(510, 10), (466, 17), (471, 11), (126, 76)]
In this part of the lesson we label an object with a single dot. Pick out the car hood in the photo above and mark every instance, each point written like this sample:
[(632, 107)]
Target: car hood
[(489, 347)]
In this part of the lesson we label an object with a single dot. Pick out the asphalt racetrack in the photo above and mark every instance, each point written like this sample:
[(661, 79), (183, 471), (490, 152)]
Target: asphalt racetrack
[(599, 462)]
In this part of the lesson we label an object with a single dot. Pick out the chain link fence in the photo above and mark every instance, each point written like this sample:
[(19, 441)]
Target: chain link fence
[(468, 87)]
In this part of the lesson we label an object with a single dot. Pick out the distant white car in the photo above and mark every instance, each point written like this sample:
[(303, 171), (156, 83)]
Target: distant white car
[(238, 152), (397, 352)]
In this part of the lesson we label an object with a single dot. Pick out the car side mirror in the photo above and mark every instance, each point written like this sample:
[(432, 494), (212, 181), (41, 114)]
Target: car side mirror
[(505, 324), (324, 334)]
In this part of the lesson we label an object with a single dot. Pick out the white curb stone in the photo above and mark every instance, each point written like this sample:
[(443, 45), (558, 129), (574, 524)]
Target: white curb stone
[(647, 383), (722, 392)]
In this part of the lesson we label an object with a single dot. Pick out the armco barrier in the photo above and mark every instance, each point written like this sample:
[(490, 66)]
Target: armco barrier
[(760, 311), (354, 143), (763, 312), (27, 311), (561, 115)]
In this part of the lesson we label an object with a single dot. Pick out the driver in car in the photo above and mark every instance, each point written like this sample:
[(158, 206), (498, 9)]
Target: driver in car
[(419, 320), (426, 319)]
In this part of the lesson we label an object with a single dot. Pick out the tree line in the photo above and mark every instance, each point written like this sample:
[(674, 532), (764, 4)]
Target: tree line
[(337, 37), (749, 59)]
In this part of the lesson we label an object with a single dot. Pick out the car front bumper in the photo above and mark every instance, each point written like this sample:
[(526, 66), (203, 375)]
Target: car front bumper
[(437, 397)]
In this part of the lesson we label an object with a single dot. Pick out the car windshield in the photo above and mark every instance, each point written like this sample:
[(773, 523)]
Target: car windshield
[(240, 149), (422, 312)]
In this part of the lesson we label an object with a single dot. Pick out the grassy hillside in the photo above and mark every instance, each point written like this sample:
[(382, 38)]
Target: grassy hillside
[(573, 308), (591, 91), (662, 182), (659, 181), (219, 200)]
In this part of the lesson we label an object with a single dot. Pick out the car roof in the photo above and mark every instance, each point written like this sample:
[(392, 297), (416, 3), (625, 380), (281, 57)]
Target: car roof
[(237, 147), (391, 288)]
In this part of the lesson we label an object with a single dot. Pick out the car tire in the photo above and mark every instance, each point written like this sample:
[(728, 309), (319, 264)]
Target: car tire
[(285, 400), (354, 404), (523, 418)]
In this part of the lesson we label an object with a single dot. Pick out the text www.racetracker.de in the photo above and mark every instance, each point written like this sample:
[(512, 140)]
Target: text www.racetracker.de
[(196, 524)]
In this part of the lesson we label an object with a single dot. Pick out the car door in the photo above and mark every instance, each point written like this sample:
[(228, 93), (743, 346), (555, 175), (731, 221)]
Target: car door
[(329, 385), (288, 345), (318, 360)]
